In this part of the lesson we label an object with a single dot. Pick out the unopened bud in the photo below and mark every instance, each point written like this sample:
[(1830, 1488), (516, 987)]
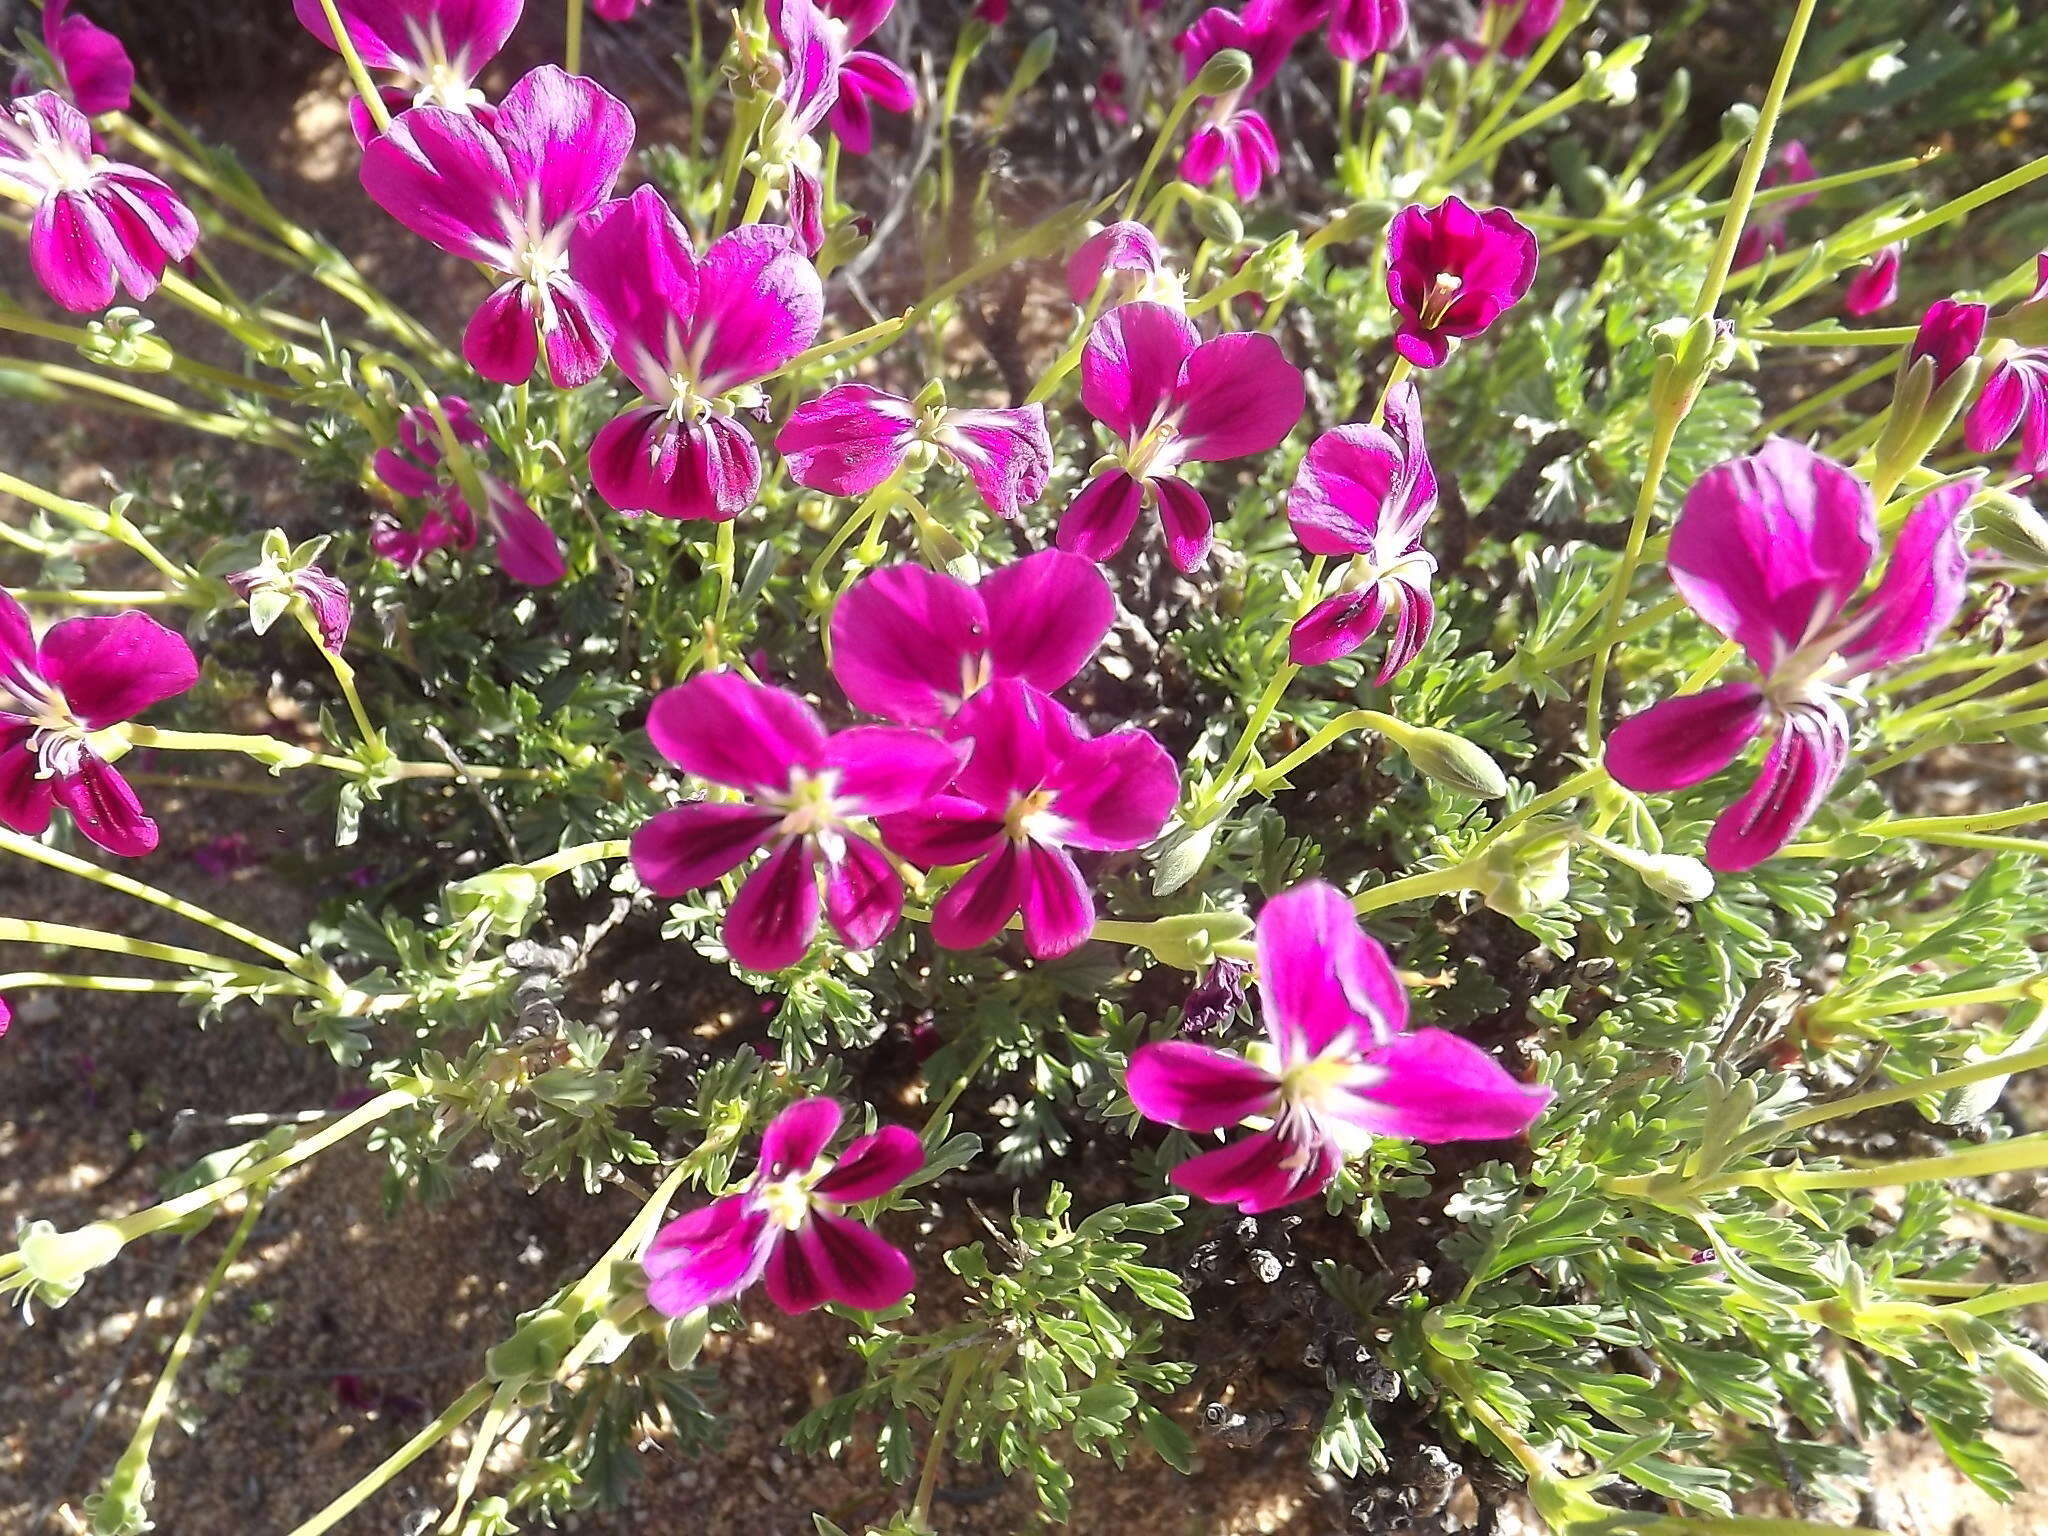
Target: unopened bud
[(1453, 761), (1612, 77), (1230, 70), (54, 1264), (2012, 526), (1738, 124), (1035, 61), (1677, 96), (2024, 1372), (1188, 942), (123, 338), (1527, 874), (536, 1349), (1215, 218)]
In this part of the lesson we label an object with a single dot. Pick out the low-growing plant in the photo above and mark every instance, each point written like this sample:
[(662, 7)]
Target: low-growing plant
[(1345, 718)]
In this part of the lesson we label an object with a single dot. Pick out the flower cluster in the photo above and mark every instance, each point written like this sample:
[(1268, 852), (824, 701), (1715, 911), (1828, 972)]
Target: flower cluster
[(458, 509)]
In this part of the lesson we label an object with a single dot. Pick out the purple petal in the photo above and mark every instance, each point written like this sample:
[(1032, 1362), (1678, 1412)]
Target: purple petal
[(982, 900), (1131, 364), (1771, 546), (1322, 976), (445, 177), (1006, 453), (883, 769), (106, 809), (708, 1256), (797, 1137), (721, 727), (1438, 1087), (761, 303), (1020, 738), (527, 546), (1258, 1173), (1336, 626), (502, 340), (848, 440), (633, 257), (1198, 1089), (1113, 792), (1802, 767), (577, 335), (112, 669), (830, 1258), (1238, 395), (947, 830), (1126, 246), (25, 795), (1047, 614), (863, 896), (1358, 493), (687, 848), (1184, 516), (95, 67), (872, 1166), (771, 923), (1685, 740), (645, 461), (1099, 522), (1923, 585), (907, 643), (813, 51), (1059, 909), (566, 138)]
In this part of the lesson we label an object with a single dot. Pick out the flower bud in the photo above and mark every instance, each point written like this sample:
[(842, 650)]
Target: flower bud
[(536, 1348), (1453, 761), (1738, 124), (1527, 874), (1612, 77), (2012, 526), (1188, 942), (1034, 62), (500, 901), (122, 338), (1215, 218), (54, 1264), (2024, 1372), (1935, 380), (1227, 71), (1677, 96)]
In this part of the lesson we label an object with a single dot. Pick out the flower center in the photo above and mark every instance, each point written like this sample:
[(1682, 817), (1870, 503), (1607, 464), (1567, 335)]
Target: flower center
[(1030, 818), (977, 671), (1442, 294), (811, 805), (1153, 452), (788, 1200)]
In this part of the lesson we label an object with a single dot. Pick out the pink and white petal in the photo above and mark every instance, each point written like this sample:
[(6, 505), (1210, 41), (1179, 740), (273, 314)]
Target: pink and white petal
[(1114, 792), (577, 335), (1059, 908), (1126, 246), (1999, 405), (905, 641), (1238, 395), (1020, 738), (982, 900), (1047, 615), (73, 251), (770, 924), (633, 459), (25, 795), (1131, 364), (688, 847), (18, 658), (848, 440), (1770, 545), (1007, 454), (872, 1166), (708, 1256), (812, 52), (1923, 585), (527, 547), (1802, 767), (112, 668), (879, 80), (1184, 516), (725, 728), (947, 830), (501, 341), (1435, 1086), (798, 1137), (444, 176), (1258, 1173), (1099, 522), (1414, 614), (633, 257), (832, 1258), (883, 769), (863, 896), (1322, 977), (106, 808), (1336, 626), (1254, 154), (1347, 479), (566, 138), (1685, 740), (1177, 1082), (760, 304)]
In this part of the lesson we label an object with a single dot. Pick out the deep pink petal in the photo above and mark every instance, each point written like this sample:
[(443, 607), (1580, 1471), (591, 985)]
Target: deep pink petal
[(1438, 1087), (722, 727), (1322, 977), (947, 830), (692, 845), (882, 769), (1336, 626), (112, 669), (1923, 585), (73, 251), (25, 795), (502, 340), (1059, 908), (106, 808), (773, 919), (707, 1256), (848, 440), (1772, 545), (1875, 286), (872, 1166), (1258, 1173), (1687, 739), (527, 547), (863, 896), (1184, 516), (833, 1259), (576, 334), (566, 138), (1020, 738), (96, 68), (18, 658), (983, 900), (1047, 614), (1802, 767), (813, 50), (1006, 453), (907, 643), (760, 304), (797, 1137), (633, 257), (1414, 612), (645, 461), (1238, 395), (1113, 792), (1126, 246), (1360, 491), (445, 177), (1131, 364), (1099, 522), (1177, 1082)]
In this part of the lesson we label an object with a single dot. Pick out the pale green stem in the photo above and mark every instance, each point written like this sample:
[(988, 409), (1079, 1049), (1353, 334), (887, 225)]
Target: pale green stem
[(272, 432), (93, 597), (1939, 1082), (450, 1419), (1437, 882), (29, 930), (572, 50), (365, 87), (21, 981), (105, 524), (278, 755), (949, 1405), (1181, 105)]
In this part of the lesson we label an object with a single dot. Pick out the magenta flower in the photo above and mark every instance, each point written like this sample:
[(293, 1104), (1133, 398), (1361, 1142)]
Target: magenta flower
[(93, 69), (854, 436), (416, 466), (813, 54), (695, 334), (325, 597), (1035, 785), (437, 48), (913, 645), (789, 1227), (1875, 287), (87, 675), (1128, 254), (98, 225), (1771, 551), (509, 193), (1339, 1067), (1230, 133), (1239, 138), (1264, 31), (1950, 334), (1790, 165), (802, 794), (1530, 23), (1364, 29), (1363, 494), (2014, 399), (1173, 399), (1452, 272), (867, 80)]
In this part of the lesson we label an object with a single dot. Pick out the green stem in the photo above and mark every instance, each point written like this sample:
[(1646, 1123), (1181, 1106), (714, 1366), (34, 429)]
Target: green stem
[(450, 1419), (105, 524), (271, 432), (1437, 882), (949, 1405), (91, 597), (365, 88), (30, 930), (1181, 104), (1939, 1082), (20, 981), (1351, 720), (572, 49)]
